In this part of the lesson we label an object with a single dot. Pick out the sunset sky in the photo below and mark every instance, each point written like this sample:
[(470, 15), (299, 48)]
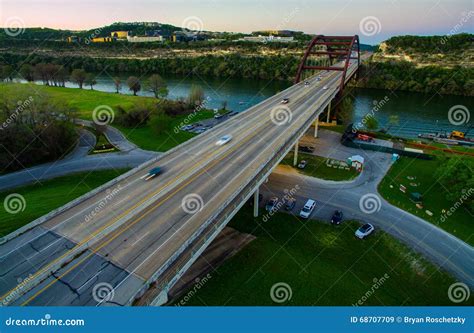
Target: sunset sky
[(396, 17)]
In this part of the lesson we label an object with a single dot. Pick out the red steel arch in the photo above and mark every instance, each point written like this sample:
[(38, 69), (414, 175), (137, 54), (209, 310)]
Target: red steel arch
[(337, 48)]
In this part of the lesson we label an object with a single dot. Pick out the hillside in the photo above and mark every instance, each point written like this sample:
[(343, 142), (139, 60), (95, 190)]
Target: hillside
[(446, 51)]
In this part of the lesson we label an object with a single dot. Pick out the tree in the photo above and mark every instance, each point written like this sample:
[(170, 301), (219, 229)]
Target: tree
[(371, 123), (224, 105), (7, 73), (78, 76), (117, 84), (157, 86), (134, 84), (196, 95), (393, 120), (27, 72), (455, 174), (90, 81)]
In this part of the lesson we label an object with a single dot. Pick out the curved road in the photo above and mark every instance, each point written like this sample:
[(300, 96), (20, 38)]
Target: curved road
[(78, 160), (440, 247)]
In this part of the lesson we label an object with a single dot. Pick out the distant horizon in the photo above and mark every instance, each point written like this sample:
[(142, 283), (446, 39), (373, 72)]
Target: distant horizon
[(236, 32), (373, 20)]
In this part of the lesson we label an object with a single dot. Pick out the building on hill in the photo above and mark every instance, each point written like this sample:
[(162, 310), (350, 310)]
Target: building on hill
[(119, 34), (144, 39), (266, 39), (102, 40)]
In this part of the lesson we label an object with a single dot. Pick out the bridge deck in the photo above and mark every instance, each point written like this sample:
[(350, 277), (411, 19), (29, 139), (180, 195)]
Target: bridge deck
[(143, 224)]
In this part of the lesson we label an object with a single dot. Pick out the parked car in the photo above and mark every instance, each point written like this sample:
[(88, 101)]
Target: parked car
[(271, 204), (308, 208), (152, 173), (306, 149), (290, 204), (302, 164), (364, 231), (285, 101), (337, 217), (222, 141)]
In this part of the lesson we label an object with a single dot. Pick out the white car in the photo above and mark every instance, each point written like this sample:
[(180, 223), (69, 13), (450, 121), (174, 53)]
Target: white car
[(325, 88), (364, 231), (222, 141), (308, 208)]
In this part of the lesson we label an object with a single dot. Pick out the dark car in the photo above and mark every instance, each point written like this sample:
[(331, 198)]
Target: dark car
[(337, 217), (285, 101), (271, 204), (290, 204), (306, 149)]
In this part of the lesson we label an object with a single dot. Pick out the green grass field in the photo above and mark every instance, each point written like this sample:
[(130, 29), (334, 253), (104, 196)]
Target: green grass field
[(460, 224), (42, 198), (145, 138), (323, 265), (317, 167), (84, 101)]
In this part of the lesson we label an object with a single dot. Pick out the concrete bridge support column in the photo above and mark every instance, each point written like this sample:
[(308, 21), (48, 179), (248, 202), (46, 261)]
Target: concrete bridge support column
[(295, 157), (256, 202), (329, 112), (316, 125)]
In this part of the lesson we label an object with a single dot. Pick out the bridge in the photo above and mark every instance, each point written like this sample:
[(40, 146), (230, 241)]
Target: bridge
[(121, 239)]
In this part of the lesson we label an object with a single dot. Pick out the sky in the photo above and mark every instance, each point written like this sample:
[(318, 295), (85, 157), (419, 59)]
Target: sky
[(373, 20)]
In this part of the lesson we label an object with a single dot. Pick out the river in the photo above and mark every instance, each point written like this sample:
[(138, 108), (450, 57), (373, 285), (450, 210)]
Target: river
[(416, 112)]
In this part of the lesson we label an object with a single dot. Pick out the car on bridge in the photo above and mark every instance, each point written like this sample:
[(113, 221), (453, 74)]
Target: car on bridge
[(308, 208), (325, 88), (306, 83), (285, 101), (152, 173), (364, 231), (222, 141)]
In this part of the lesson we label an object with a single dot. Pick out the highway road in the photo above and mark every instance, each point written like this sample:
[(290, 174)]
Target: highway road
[(123, 235)]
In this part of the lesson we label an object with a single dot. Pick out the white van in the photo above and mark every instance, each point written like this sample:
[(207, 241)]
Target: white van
[(308, 208)]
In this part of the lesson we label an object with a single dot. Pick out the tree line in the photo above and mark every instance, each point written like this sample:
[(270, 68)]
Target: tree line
[(33, 129)]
